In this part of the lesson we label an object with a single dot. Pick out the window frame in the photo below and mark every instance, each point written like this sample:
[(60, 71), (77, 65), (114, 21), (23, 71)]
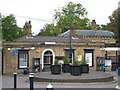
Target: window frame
[(24, 52)]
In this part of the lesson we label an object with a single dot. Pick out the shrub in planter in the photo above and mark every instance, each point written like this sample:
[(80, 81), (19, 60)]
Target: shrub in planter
[(56, 69), (75, 69), (84, 66), (66, 66)]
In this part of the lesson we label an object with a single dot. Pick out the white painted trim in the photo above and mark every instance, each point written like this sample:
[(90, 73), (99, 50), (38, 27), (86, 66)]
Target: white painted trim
[(111, 49), (50, 43), (43, 56)]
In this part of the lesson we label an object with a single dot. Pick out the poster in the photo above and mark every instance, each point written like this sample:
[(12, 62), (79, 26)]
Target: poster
[(88, 58), (107, 63), (79, 57)]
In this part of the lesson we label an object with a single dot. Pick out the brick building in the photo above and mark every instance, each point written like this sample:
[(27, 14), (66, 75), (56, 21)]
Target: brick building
[(39, 52)]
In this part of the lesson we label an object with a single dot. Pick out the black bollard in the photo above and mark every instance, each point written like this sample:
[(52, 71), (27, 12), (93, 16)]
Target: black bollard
[(15, 80), (104, 69), (49, 87), (31, 78)]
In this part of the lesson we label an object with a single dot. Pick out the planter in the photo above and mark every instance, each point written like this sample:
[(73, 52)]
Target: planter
[(65, 68), (56, 69), (85, 68), (118, 71), (75, 70)]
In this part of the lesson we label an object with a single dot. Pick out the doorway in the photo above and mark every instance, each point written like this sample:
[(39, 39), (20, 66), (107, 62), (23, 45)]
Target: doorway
[(48, 60)]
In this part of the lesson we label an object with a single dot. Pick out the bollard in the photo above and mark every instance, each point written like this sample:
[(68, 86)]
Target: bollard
[(15, 80), (117, 87), (104, 69), (49, 87), (31, 78)]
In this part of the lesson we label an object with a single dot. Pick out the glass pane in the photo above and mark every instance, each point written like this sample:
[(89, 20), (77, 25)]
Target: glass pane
[(23, 57)]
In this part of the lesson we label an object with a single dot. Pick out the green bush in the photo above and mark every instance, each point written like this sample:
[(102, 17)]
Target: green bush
[(75, 63), (83, 61), (66, 60), (56, 62)]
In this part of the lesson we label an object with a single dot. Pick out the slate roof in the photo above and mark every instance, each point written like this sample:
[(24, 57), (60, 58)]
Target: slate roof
[(51, 39), (99, 33)]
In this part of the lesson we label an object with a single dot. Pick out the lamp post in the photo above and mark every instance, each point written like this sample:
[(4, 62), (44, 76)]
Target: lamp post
[(118, 34), (118, 45), (70, 13)]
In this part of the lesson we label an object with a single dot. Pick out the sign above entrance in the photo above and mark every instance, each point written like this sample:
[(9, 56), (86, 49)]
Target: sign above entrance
[(108, 63), (111, 49), (50, 43)]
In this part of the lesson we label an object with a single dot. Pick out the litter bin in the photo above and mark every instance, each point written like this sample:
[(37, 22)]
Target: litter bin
[(118, 71), (25, 71)]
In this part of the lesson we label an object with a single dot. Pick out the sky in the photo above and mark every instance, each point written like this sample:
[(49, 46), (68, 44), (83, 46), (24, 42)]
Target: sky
[(40, 12)]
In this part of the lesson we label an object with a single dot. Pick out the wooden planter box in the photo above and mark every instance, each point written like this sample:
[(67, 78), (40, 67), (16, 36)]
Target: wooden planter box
[(85, 68), (65, 68), (56, 69), (75, 70)]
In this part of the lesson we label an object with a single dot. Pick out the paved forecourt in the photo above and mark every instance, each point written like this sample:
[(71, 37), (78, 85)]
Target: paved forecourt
[(92, 76)]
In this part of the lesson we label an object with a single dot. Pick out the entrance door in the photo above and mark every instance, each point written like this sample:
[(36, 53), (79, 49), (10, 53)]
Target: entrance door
[(48, 60)]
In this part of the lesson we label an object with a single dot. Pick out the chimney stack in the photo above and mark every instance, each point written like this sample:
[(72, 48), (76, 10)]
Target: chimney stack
[(29, 29), (93, 27), (60, 28), (73, 29)]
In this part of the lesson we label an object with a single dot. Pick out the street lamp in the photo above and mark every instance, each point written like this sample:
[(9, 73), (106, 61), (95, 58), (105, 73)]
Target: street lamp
[(118, 35), (118, 45), (70, 13)]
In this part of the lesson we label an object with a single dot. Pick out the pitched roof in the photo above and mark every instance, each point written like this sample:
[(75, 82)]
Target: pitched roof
[(51, 39), (99, 33)]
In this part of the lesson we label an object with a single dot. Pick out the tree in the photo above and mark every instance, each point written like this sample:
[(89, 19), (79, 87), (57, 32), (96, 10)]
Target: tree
[(10, 29), (112, 26), (24, 31), (49, 30), (0, 26), (101, 27), (66, 20)]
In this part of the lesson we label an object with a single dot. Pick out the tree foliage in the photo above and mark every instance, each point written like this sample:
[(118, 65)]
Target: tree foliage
[(114, 21), (112, 26), (66, 20), (24, 30), (0, 26), (10, 29)]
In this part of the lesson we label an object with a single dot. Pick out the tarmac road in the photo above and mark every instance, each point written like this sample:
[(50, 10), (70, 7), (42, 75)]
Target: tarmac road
[(7, 82)]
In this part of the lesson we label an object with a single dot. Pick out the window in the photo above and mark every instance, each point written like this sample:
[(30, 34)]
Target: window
[(23, 59), (70, 54), (89, 56)]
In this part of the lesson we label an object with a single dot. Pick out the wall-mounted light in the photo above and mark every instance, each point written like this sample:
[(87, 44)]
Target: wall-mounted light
[(32, 48), (9, 49)]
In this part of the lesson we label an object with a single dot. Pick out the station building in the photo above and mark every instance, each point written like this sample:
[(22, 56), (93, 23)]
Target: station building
[(38, 53)]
